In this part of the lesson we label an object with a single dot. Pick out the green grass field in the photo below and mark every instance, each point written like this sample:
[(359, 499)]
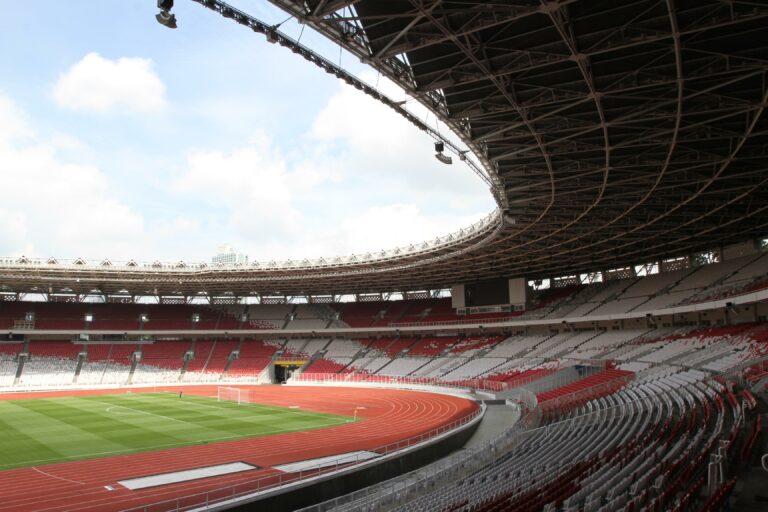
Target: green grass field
[(46, 431)]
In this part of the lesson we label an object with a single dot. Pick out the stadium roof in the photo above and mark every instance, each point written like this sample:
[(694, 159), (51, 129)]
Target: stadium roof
[(611, 133)]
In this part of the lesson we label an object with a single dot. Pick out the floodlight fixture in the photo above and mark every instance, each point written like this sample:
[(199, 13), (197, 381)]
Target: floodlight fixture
[(164, 17), (439, 147)]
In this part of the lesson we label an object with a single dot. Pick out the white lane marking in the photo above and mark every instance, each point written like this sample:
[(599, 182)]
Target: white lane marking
[(57, 477)]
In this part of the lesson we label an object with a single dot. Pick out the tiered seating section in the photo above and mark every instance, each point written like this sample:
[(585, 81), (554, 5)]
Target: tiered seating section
[(591, 387), (161, 362), (514, 361), (50, 363), (209, 361), (253, 357), (642, 446), (637, 294), (8, 364), (630, 417), (116, 317), (107, 363)]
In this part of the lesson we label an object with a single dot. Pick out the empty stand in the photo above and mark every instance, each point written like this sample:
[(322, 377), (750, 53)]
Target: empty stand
[(253, 357)]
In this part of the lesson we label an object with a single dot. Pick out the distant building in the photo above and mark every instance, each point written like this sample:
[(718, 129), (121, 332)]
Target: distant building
[(227, 255)]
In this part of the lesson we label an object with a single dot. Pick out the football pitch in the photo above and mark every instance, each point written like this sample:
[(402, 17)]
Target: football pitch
[(46, 431)]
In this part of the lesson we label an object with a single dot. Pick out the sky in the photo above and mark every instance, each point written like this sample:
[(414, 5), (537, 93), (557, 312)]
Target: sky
[(121, 139)]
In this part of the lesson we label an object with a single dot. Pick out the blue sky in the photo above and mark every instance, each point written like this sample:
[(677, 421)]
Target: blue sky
[(122, 139)]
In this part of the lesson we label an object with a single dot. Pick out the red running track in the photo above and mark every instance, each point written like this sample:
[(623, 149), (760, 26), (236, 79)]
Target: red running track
[(390, 416)]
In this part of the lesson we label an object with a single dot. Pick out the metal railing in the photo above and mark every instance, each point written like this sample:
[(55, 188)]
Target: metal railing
[(395, 380), (463, 321), (477, 384), (600, 389), (274, 481)]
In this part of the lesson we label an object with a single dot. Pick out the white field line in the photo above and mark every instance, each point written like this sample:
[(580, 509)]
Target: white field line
[(113, 406), (165, 445), (56, 477), (279, 410)]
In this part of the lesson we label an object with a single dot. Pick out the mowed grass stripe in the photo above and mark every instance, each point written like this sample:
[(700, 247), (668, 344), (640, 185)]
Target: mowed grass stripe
[(14, 441), (241, 420), (196, 405), (55, 431), (208, 411), (130, 430), (243, 408), (244, 419), (71, 428)]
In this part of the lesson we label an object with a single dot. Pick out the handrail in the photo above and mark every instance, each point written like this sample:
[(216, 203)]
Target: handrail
[(359, 378), (481, 384), (570, 398), (213, 496), (469, 319)]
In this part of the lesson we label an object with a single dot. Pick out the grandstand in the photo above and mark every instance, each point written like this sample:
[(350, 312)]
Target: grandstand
[(601, 385), (613, 309)]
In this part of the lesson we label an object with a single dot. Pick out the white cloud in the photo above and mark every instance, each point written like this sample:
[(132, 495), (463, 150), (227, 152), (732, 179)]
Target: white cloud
[(51, 204), (67, 142), (381, 144), (397, 225), (13, 233), (13, 123), (361, 180), (253, 184), (97, 84)]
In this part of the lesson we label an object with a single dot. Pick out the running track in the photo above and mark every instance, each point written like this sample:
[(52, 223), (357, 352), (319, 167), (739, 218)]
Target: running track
[(391, 416)]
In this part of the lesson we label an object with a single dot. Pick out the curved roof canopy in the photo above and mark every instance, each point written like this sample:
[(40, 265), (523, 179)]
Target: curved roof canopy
[(612, 132)]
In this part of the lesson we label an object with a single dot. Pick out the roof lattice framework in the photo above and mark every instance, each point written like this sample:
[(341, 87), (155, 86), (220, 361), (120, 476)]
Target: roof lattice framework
[(614, 132)]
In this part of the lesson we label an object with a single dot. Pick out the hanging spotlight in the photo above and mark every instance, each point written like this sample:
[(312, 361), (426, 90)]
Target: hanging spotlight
[(439, 147), (164, 17)]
